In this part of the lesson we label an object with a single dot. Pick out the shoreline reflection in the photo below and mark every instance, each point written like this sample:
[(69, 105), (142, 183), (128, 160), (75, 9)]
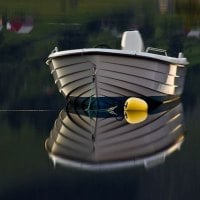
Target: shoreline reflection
[(101, 141)]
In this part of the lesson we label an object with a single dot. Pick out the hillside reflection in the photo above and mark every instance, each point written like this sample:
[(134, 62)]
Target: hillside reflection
[(105, 140)]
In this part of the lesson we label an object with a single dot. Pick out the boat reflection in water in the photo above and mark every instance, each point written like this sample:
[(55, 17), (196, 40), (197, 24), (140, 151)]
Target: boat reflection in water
[(115, 139)]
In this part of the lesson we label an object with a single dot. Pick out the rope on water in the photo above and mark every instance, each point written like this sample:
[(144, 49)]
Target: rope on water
[(26, 110), (111, 110), (92, 86)]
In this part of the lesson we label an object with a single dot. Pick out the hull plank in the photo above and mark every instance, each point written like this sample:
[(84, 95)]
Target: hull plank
[(142, 73), (152, 65)]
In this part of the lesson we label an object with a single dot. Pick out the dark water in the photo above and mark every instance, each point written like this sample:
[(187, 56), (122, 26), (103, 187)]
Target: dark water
[(30, 102)]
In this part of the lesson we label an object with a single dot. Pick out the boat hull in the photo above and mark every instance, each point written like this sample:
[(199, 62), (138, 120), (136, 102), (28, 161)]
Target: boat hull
[(104, 75)]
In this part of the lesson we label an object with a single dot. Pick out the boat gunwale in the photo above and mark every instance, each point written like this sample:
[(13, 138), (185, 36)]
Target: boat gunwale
[(116, 52)]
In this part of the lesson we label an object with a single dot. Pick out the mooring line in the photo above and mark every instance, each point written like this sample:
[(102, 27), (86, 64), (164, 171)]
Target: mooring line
[(26, 110)]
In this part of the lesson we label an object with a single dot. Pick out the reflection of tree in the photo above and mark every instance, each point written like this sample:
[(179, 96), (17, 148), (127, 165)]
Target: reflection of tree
[(189, 10), (1, 38), (2, 89), (166, 6), (73, 3), (175, 45), (72, 38), (63, 6), (169, 34)]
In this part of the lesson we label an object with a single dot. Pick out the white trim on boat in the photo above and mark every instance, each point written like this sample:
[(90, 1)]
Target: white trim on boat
[(129, 53)]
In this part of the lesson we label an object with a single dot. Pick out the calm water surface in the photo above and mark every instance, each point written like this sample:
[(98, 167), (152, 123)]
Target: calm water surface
[(30, 103)]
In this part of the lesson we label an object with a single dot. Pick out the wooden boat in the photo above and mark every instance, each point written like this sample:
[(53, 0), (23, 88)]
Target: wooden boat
[(102, 141), (97, 73)]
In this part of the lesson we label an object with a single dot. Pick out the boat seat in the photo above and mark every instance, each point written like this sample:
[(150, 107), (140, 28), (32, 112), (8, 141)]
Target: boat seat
[(132, 40)]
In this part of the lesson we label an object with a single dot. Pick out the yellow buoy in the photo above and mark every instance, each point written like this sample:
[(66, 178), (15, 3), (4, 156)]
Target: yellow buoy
[(135, 104), (134, 117)]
